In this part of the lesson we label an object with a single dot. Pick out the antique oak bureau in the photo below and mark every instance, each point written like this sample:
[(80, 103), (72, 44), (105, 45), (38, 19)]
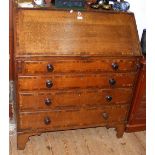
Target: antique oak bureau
[(73, 72)]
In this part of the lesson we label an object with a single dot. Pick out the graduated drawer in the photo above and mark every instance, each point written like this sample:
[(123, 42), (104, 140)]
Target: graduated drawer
[(68, 81), (73, 98), (77, 65), (58, 120)]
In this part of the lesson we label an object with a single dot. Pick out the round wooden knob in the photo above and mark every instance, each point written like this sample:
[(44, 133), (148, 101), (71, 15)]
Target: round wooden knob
[(108, 98), (105, 115), (138, 66), (49, 84), (114, 66), (48, 101), (50, 68), (112, 82), (47, 120)]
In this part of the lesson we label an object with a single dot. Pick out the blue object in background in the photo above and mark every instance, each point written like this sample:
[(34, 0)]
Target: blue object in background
[(124, 6), (121, 6), (116, 6)]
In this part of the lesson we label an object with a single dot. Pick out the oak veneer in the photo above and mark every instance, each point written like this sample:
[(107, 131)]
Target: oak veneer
[(67, 119), (59, 33), (73, 98), (87, 68), (71, 81), (77, 65)]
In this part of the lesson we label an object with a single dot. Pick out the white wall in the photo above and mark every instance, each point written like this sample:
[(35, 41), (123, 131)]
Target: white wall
[(138, 7)]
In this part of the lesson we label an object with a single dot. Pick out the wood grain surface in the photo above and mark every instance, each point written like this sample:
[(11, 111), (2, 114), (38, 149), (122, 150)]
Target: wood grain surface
[(81, 81), (68, 119), (81, 53), (91, 141), (57, 33), (76, 65), (32, 101), (137, 116), (11, 41)]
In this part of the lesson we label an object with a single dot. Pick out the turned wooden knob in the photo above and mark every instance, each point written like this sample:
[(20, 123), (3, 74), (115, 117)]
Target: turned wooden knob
[(49, 84), (48, 101), (138, 66), (50, 68), (114, 66), (108, 98), (47, 120), (105, 115), (112, 82)]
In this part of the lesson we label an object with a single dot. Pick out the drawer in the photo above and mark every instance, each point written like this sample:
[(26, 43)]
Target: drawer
[(59, 120), (68, 81), (73, 99), (77, 65)]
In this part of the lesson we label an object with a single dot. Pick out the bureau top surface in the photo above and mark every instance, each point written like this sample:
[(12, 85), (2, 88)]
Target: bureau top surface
[(62, 33)]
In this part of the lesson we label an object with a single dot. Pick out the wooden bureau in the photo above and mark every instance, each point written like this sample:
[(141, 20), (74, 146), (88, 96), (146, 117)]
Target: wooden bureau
[(137, 115), (73, 72)]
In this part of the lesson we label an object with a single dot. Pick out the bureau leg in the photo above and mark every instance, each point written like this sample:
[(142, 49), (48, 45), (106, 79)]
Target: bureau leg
[(120, 130), (22, 139)]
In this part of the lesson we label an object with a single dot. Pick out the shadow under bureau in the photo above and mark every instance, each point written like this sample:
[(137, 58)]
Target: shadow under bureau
[(73, 73)]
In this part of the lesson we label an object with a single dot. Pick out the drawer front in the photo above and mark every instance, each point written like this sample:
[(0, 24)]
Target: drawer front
[(73, 98), (26, 83), (78, 65), (58, 120)]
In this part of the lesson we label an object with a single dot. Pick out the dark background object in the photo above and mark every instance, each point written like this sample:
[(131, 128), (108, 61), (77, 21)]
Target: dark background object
[(143, 42), (70, 4), (11, 46), (11, 51)]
